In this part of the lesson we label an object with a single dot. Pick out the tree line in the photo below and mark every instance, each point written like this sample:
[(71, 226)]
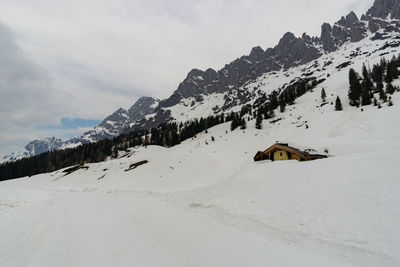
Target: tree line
[(363, 87)]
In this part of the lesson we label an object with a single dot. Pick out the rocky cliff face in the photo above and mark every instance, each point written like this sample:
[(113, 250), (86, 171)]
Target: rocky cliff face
[(385, 8), (348, 28), (142, 107)]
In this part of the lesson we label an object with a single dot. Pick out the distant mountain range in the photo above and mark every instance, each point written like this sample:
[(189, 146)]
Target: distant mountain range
[(250, 78)]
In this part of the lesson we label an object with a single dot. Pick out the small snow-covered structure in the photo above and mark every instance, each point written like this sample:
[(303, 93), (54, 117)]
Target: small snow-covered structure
[(281, 151)]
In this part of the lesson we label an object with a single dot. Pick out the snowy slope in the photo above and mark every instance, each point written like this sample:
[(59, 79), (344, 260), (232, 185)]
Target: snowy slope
[(210, 205)]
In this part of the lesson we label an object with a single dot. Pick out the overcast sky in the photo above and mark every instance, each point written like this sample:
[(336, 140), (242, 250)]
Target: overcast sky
[(68, 64)]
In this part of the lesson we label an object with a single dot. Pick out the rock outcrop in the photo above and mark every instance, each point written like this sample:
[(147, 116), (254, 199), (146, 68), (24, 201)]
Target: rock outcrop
[(385, 9)]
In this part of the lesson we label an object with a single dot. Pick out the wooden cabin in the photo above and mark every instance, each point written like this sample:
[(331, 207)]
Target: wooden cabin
[(280, 151)]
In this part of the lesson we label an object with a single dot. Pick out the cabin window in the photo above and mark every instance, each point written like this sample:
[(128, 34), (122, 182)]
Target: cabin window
[(281, 154)]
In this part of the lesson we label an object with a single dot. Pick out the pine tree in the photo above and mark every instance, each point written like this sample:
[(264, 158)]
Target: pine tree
[(338, 104), (389, 88), (382, 95), (282, 105), (390, 103), (234, 123), (391, 72), (365, 97), (243, 124), (323, 95), (355, 89), (259, 121), (377, 74), (366, 77), (367, 83)]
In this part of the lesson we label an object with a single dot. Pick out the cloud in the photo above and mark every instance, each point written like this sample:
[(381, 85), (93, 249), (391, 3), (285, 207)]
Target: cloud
[(85, 59), (26, 92)]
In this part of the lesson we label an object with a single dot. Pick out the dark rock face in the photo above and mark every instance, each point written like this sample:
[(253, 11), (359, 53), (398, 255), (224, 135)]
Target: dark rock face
[(351, 19), (143, 106), (351, 29), (384, 8), (115, 120), (326, 38), (174, 99), (348, 28), (292, 51), (162, 116)]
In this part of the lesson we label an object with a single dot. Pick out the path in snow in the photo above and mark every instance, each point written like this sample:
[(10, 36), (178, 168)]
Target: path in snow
[(97, 229)]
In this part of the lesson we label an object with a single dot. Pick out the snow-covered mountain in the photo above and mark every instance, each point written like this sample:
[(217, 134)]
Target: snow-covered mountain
[(110, 127), (250, 79), (36, 147)]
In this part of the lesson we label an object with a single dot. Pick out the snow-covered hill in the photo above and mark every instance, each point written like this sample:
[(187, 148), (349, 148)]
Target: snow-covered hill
[(207, 203), (350, 42)]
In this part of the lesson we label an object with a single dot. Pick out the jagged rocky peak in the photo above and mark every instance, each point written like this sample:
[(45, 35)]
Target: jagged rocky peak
[(348, 28), (194, 73), (308, 39), (142, 107), (196, 82), (286, 40), (201, 76), (210, 75), (384, 8), (292, 51), (349, 20), (117, 117), (43, 145), (326, 38), (256, 53)]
